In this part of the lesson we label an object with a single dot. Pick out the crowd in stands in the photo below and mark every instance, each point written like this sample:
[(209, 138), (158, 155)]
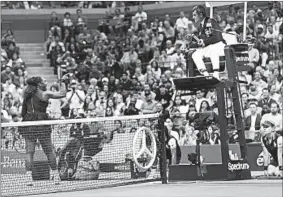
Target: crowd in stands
[(34, 5), (13, 76), (126, 67)]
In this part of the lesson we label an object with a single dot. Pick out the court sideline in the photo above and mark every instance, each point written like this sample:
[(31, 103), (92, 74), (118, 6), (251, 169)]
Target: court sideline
[(245, 188)]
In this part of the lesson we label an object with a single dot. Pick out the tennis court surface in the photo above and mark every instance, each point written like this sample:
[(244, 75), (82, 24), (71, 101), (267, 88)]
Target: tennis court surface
[(244, 188)]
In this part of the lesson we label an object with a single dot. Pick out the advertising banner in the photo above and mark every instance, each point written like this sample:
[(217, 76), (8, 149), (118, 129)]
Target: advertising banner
[(14, 163), (212, 154)]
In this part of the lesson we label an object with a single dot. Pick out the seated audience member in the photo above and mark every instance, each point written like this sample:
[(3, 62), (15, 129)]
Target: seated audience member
[(55, 24), (149, 105), (141, 15), (252, 123), (274, 116), (266, 99)]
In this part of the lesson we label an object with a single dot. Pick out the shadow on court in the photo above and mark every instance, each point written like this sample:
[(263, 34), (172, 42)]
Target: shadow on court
[(247, 188)]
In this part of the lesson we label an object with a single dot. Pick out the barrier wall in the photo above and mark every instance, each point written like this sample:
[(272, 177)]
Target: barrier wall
[(13, 163), (212, 154)]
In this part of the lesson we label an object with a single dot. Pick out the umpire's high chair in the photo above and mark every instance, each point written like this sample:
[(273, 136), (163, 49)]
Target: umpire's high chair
[(235, 60)]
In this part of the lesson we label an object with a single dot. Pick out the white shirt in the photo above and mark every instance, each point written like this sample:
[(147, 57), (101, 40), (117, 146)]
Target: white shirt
[(253, 119), (75, 102), (274, 35), (182, 23), (141, 16), (118, 109), (175, 134), (176, 57), (141, 78), (275, 97)]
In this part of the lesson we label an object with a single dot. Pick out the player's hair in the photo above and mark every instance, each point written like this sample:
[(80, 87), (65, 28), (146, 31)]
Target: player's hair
[(200, 10), (31, 88)]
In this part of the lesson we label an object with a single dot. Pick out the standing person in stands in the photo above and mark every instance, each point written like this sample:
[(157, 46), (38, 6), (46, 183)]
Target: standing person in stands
[(36, 99), (211, 43)]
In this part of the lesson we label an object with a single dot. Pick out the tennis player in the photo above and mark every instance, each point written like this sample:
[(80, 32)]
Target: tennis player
[(272, 145), (35, 103)]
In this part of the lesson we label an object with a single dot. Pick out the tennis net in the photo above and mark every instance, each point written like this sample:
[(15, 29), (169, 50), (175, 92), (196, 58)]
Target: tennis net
[(90, 153)]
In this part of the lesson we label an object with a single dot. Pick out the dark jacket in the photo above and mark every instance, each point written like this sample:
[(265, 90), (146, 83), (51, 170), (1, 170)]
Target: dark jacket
[(207, 36), (267, 102), (248, 122)]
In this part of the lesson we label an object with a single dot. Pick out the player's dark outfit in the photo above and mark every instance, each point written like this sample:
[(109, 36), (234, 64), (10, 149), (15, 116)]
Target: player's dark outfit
[(34, 109)]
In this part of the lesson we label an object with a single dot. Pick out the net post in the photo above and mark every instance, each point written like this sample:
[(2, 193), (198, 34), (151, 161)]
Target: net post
[(163, 160)]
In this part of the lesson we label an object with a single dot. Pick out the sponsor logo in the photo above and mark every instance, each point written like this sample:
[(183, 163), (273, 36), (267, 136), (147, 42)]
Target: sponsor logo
[(238, 166), (242, 59), (12, 163), (122, 167)]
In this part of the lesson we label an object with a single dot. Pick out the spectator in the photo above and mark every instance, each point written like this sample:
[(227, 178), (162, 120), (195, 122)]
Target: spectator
[(258, 82), (119, 105), (252, 123), (68, 21), (7, 74), (254, 93), (55, 25), (149, 105), (182, 23), (80, 21), (8, 38), (11, 50), (127, 18), (199, 99), (274, 116), (253, 54), (75, 97), (20, 78), (169, 31), (141, 15), (56, 43), (129, 58), (266, 99), (273, 95), (180, 106), (131, 109)]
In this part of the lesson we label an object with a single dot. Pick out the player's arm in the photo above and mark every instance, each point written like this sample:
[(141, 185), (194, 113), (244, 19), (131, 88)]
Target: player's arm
[(56, 95)]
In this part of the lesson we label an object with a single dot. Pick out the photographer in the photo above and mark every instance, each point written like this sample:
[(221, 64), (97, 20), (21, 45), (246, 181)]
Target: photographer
[(263, 47), (131, 109), (75, 97)]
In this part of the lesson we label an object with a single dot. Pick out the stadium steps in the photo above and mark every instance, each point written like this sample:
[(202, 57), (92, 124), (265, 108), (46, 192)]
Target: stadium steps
[(37, 64)]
